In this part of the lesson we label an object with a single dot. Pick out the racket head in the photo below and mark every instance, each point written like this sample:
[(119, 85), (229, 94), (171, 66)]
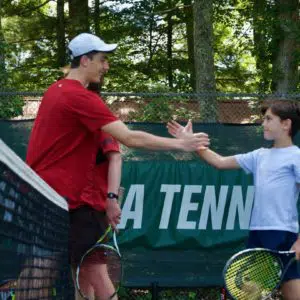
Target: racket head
[(253, 274), (100, 258)]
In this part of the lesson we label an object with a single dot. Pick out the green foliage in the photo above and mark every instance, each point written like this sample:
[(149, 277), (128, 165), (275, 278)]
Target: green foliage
[(163, 109), (156, 110), (137, 294), (11, 106), (245, 44)]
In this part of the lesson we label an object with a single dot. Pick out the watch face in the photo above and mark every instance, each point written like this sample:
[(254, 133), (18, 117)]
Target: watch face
[(112, 196)]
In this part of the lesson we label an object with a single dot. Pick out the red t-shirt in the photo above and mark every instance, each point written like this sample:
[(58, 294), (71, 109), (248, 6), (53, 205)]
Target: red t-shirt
[(94, 194), (63, 143)]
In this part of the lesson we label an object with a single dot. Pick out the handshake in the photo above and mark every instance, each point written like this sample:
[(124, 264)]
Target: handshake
[(193, 141)]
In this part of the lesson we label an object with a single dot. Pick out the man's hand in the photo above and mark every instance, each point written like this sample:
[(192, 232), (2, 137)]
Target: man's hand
[(192, 141), (296, 248), (113, 212), (178, 131)]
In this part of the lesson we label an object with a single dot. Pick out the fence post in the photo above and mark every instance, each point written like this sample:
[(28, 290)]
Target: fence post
[(154, 290)]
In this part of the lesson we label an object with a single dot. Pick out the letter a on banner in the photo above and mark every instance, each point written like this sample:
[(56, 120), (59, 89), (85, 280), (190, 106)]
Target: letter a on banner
[(133, 207)]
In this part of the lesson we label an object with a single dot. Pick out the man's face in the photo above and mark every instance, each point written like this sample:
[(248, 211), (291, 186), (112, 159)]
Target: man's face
[(97, 67)]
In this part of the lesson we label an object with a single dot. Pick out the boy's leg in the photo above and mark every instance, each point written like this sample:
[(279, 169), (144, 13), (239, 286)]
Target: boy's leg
[(280, 241)]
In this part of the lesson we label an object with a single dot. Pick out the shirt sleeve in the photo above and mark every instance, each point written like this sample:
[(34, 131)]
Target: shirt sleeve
[(107, 143), (91, 110), (296, 167), (247, 161)]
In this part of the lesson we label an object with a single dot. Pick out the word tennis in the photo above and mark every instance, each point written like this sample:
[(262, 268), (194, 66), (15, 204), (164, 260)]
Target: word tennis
[(197, 205)]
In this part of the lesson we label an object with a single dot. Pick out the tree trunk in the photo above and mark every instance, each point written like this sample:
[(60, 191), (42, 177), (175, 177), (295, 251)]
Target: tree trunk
[(79, 17), (60, 36), (189, 25), (285, 63), (261, 51), (169, 47), (204, 58), (96, 17), (3, 77)]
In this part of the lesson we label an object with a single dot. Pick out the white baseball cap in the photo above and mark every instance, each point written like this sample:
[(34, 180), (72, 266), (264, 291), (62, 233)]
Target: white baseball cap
[(86, 42)]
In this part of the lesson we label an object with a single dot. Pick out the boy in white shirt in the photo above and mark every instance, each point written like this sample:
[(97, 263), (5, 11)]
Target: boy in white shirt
[(276, 172)]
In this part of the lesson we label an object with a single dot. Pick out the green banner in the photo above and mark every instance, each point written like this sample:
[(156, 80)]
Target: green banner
[(184, 204)]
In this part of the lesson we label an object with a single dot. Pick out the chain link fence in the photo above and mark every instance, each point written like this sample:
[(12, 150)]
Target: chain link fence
[(227, 108), (235, 108)]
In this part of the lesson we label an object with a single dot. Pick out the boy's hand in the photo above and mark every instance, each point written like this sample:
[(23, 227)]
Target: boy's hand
[(296, 248)]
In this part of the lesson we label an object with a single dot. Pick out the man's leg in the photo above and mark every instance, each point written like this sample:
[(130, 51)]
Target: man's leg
[(291, 290), (86, 226), (94, 283), (101, 283), (88, 288)]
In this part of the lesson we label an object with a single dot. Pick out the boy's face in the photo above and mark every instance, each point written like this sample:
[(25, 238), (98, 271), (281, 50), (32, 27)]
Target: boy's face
[(274, 127)]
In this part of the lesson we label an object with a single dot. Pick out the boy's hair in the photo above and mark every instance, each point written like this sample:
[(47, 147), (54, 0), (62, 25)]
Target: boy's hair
[(285, 109), (75, 63)]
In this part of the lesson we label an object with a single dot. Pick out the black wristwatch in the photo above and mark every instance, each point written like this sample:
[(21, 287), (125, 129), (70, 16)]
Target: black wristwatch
[(112, 196)]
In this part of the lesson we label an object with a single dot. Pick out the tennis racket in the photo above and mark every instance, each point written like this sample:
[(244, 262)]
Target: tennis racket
[(256, 273), (105, 258)]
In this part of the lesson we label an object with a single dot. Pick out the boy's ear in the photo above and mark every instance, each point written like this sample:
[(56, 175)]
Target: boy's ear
[(287, 124)]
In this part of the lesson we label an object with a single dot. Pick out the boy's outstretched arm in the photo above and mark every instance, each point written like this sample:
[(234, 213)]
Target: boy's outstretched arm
[(218, 161), (211, 157)]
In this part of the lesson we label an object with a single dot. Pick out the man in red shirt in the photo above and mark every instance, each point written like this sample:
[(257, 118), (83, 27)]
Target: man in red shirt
[(63, 144)]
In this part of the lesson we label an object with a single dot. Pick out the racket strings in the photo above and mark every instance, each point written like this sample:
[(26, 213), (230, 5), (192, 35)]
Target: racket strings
[(253, 275)]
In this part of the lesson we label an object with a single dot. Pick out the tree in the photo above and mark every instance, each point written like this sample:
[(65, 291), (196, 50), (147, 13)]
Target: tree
[(286, 46), (170, 43), (96, 17), (189, 24), (78, 17), (204, 58), (60, 34), (263, 19), (3, 74)]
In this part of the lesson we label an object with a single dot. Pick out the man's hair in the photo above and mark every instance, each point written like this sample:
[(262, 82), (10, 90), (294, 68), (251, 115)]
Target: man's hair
[(285, 109), (75, 63)]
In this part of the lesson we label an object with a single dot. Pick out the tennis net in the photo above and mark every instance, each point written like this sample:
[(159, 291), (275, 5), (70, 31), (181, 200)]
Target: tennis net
[(33, 234)]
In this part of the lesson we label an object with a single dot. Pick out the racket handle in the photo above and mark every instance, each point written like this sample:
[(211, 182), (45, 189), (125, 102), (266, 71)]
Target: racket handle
[(115, 242)]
